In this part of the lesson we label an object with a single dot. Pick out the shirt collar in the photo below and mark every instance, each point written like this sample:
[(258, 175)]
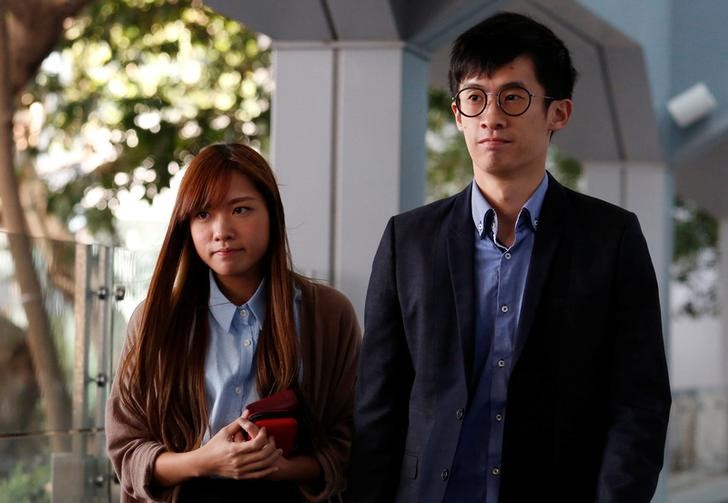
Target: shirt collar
[(223, 310), (481, 208)]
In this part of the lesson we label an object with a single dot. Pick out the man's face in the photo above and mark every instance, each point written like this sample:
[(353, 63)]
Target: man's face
[(509, 147)]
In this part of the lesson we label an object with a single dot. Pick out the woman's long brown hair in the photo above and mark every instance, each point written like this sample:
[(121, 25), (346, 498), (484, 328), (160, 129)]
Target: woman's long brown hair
[(162, 376)]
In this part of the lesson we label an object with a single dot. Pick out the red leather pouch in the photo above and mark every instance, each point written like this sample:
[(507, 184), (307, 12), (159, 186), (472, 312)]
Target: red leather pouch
[(278, 414)]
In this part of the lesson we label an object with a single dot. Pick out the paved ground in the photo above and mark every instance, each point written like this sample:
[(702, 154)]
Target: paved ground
[(712, 490)]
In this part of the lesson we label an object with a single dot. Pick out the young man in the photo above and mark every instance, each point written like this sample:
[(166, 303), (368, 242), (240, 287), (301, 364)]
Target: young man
[(513, 349)]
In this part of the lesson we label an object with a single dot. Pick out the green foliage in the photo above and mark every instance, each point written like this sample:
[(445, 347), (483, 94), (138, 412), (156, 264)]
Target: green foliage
[(136, 88), (449, 167), (695, 229), (695, 252), (565, 169), (26, 484)]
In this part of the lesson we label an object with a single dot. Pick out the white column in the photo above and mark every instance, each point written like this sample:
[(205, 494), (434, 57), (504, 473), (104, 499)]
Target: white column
[(302, 112), (348, 130), (604, 180), (723, 293), (723, 299), (649, 193), (646, 189)]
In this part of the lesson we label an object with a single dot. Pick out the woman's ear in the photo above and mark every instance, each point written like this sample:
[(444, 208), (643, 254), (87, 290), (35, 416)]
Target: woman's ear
[(559, 113)]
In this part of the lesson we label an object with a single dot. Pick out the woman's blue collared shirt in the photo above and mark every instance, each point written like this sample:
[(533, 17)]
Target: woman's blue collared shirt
[(230, 361)]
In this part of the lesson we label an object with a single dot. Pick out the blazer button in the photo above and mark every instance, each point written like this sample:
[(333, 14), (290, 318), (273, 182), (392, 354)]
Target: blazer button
[(459, 414), (445, 474)]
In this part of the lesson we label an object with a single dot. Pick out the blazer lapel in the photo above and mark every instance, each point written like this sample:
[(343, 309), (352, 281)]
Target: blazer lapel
[(460, 255), (550, 225)]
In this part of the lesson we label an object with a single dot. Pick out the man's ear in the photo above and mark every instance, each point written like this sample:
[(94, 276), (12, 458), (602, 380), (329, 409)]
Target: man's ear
[(458, 117), (559, 113)]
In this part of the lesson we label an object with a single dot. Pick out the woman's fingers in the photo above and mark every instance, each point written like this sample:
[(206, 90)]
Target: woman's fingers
[(254, 465), (231, 430), (246, 453), (249, 426), (258, 436)]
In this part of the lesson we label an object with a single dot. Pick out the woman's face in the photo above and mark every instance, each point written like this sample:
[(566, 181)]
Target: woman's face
[(232, 238)]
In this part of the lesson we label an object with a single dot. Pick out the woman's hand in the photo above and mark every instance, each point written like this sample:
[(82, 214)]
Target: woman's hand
[(224, 455), (297, 468)]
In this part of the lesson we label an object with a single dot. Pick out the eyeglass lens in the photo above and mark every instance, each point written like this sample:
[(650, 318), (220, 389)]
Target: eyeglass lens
[(513, 101)]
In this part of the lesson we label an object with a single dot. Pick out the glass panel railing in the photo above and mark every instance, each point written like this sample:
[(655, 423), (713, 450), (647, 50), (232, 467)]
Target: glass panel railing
[(35, 475), (63, 313), (132, 272), (38, 333)]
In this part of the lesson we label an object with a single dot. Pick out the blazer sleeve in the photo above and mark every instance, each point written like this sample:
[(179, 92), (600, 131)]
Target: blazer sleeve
[(131, 449), (639, 394), (337, 351), (383, 386)]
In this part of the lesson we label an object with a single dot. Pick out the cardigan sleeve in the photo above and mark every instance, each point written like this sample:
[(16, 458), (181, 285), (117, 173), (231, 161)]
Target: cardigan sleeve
[(130, 447), (328, 385)]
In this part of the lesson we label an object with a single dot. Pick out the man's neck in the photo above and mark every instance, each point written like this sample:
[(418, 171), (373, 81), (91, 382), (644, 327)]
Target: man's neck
[(508, 195)]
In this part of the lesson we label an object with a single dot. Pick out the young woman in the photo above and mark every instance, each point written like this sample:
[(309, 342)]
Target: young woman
[(226, 321)]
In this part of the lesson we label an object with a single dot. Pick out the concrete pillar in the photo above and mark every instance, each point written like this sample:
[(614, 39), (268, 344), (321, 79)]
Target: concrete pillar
[(348, 129), (723, 294), (647, 190), (302, 124), (604, 180), (723, 299)]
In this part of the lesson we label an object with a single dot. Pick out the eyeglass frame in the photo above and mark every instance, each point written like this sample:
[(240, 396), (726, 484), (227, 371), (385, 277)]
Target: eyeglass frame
[(456, 100)]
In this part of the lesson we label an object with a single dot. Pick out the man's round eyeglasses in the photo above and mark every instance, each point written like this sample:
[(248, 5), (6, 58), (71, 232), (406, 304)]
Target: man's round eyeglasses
[(512, 100)]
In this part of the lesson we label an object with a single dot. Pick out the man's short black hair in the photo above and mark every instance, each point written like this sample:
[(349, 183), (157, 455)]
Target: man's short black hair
[(502, 38)]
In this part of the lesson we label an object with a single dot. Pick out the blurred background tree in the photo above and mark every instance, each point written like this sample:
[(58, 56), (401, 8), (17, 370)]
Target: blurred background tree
[(28, 31), (695, 260), (131, 92), (106, 108)]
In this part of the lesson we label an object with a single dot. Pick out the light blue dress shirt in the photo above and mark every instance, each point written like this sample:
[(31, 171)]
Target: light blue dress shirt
[(230, 375), (500, 282), (230, 360)]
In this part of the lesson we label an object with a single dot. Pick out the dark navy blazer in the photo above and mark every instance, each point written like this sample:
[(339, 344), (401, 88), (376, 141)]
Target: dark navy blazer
[(589, 397)]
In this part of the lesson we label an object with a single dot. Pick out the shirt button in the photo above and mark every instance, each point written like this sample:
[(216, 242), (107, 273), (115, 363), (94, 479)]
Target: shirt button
[(244, 313), (238, 390), (507, 256), (445, 474), (495, 471), (504, 308), (247, 342), (501, 363), (459, 414), (499, 417)]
